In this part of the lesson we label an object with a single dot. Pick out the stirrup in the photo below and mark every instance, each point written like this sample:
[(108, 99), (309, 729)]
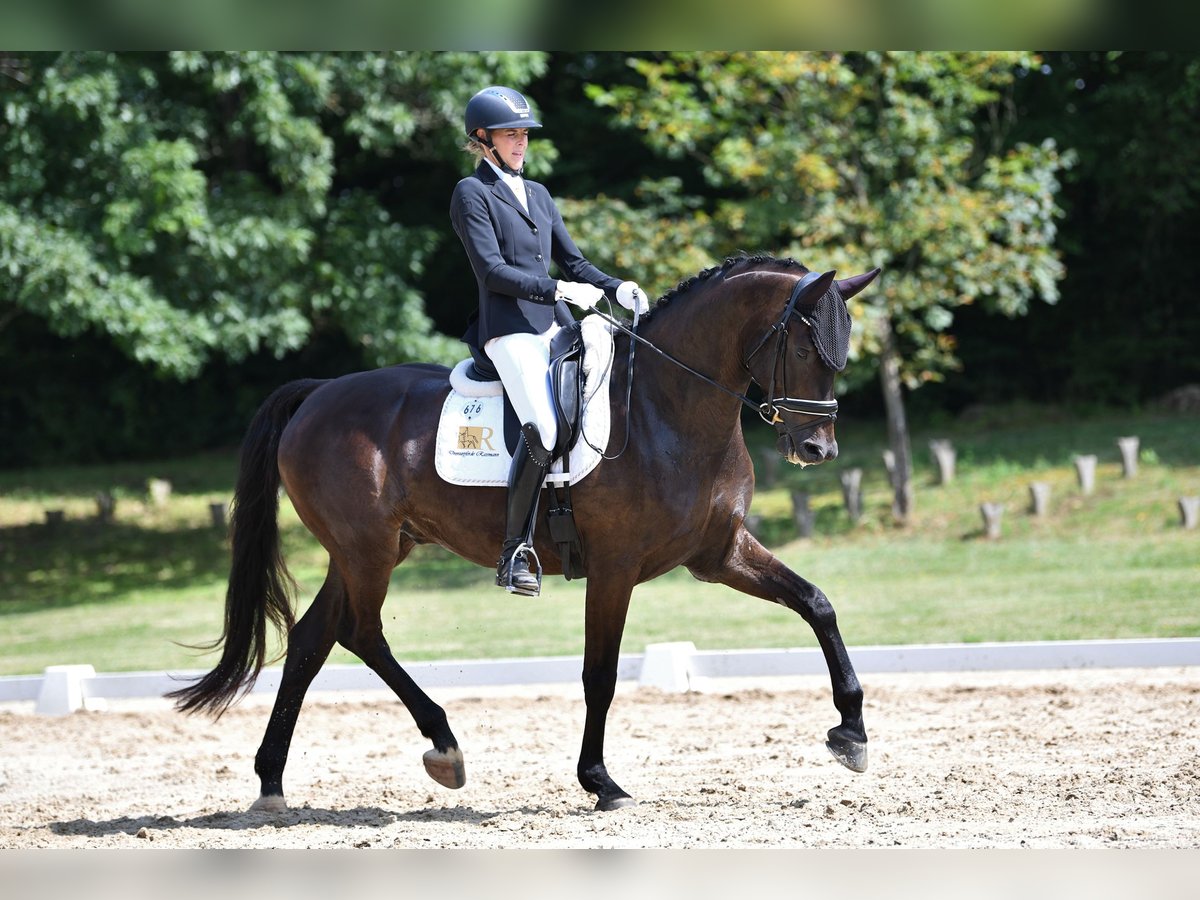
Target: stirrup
[(504, 578)]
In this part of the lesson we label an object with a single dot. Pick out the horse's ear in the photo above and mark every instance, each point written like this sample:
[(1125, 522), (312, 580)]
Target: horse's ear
[(814, 286), (848, 287)]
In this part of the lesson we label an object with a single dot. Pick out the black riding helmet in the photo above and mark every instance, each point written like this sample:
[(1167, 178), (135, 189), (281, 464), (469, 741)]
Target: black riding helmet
[(498, 107)]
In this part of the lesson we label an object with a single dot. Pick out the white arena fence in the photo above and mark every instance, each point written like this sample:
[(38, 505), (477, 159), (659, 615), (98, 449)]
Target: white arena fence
[(677, 666)]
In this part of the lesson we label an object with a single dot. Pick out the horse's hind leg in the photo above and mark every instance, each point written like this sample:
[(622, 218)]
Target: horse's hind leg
[(754, 570), (361, 632), (309, 643)]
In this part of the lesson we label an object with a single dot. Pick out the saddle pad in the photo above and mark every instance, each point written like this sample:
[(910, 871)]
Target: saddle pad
[(470, 447)]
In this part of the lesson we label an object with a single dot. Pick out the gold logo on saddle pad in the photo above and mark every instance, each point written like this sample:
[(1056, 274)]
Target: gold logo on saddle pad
[(475, 437)]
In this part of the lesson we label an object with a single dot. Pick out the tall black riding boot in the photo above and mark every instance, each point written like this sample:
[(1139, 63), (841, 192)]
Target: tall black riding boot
[(530, 461)]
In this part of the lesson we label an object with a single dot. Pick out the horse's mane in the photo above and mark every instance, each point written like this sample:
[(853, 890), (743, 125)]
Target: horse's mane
[(742, 260)]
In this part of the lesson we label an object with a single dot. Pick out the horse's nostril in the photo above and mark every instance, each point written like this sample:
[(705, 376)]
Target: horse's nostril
[(818, 451)]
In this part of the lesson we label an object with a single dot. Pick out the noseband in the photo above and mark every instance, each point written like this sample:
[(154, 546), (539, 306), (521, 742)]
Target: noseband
[(770, 410)]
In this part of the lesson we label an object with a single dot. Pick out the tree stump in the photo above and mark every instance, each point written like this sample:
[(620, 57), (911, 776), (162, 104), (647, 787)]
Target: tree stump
[(1129, 455), (944, 455), (852, 492), (160, 491), (1189, 511), (106, 507), (801, 514), (1039, 498), (770, 467), (217, 511), (993, 513), (1085, 468)]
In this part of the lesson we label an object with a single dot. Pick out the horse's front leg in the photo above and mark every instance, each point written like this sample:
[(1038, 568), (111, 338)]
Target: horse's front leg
[(752, 569), (607, 605)]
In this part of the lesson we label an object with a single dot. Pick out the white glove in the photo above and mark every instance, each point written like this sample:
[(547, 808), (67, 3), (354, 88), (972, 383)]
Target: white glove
[(630, 296), (585, 296)]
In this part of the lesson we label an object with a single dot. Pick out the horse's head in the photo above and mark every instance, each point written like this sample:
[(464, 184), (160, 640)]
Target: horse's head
[(796, 360)]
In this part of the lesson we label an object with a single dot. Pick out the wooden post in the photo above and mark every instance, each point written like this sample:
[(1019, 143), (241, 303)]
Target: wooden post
[(943, 455), (55, 517), (217, 511), (993, 513), (1085, 468), (160, 491), (770, 467), (801, 514), (1039, 496), (1189, 511), (852, 492), (889, 463), (106, 506), (1129, 455)]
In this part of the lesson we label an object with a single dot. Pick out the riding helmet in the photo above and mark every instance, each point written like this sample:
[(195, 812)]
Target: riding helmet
[(499, 107)]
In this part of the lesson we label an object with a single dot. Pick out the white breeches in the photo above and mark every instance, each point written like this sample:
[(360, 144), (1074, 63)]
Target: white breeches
[(523, 361)]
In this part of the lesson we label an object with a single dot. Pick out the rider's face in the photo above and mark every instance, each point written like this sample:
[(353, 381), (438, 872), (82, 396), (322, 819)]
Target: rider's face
[(511, 144)]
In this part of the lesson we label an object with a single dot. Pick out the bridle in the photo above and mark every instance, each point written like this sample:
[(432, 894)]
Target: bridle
[(821, 412)]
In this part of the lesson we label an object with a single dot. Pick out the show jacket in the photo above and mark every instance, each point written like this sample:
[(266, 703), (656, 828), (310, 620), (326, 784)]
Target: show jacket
[(510, 252)]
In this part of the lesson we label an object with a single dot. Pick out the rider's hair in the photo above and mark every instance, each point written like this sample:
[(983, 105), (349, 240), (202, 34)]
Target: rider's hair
[(473, 148)]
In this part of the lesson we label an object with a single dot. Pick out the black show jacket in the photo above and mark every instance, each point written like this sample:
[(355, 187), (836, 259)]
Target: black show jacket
[(510, 252)]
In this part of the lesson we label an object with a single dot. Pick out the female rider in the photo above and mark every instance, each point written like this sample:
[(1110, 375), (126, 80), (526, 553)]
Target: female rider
[(511, 229)]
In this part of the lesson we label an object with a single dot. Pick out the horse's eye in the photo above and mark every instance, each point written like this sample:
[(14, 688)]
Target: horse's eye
[(802, 352)]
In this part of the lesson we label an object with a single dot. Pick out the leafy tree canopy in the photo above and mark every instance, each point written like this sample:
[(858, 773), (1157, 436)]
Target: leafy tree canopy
[(856, 160), (197, 205)]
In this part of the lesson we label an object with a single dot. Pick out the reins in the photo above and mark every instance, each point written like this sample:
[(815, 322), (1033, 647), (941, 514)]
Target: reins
[(770, 409)]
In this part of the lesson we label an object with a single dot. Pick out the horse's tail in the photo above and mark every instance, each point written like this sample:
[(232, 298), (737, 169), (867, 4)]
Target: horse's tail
[(260, 586)]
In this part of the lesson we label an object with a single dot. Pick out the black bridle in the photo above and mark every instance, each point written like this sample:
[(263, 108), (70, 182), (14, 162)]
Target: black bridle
[(822, 412), (770, 409)]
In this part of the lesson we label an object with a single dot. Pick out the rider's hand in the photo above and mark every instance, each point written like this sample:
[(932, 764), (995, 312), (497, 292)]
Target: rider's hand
[(585, 296), (630, 296)]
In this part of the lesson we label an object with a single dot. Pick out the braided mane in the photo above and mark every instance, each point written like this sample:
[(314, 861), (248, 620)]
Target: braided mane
[(742, 260)]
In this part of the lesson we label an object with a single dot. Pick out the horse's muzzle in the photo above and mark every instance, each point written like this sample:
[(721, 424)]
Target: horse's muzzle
[(808, 451)]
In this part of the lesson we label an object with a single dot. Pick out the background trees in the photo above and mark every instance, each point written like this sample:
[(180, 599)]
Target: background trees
[(873, 159), (179, 232)]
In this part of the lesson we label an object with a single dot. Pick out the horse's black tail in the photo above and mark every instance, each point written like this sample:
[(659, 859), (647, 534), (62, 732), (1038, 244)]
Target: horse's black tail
[(260, 587)]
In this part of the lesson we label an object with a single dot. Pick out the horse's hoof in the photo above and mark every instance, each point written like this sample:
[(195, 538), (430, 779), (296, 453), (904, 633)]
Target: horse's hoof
[(273, 803), (446, 768), (615, 803), (851, 754)]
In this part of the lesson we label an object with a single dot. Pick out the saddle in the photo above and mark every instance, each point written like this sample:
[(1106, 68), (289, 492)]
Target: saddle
[(567, 388), (566, 382)]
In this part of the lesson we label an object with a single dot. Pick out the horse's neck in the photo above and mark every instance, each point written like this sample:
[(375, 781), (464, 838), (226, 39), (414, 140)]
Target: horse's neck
[(705, 333)]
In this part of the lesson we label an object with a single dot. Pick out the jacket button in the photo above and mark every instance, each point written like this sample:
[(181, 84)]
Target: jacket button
[(539, 257), (535, 231)]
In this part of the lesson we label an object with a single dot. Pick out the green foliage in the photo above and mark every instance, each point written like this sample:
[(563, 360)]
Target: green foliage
[(658, 239), (197, 205), (183, 220), (849, 161)]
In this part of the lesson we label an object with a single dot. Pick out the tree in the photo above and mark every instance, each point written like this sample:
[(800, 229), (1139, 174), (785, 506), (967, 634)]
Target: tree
[(198, 205), (849, 161)]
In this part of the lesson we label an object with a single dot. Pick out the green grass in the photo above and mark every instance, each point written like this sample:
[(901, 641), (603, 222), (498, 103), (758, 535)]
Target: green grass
[(1116, 563)]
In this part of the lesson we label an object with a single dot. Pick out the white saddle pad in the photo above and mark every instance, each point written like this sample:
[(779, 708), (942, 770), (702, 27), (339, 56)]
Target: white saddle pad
[(470, 446)]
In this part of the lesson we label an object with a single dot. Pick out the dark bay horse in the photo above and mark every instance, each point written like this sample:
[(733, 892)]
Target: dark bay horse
[(356, 456)]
